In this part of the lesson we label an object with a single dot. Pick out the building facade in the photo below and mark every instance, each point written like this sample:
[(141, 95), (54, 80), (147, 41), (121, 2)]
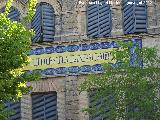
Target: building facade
[(69, 26)]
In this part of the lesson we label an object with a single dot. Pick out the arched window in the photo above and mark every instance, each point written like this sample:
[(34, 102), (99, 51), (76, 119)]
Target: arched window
[(43, 23), (99, 22), (14, 14), (134, 13)]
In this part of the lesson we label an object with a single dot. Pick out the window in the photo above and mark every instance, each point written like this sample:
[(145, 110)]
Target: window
[(99, 22), (134, 13), (14, 14), (43, 23), (44, 106), (93, 102), (16, 106)]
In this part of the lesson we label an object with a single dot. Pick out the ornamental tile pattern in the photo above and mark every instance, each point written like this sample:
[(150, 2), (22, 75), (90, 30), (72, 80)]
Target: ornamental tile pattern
[(80, 47)]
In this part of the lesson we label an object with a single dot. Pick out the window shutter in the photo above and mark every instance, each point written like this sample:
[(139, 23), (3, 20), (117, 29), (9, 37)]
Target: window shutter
[(96, 116), (134, 16), (16, 106), (43, 23), (98, 103), (14, 14), (36, 24), (48, 22), (44, 106), (99, 23)]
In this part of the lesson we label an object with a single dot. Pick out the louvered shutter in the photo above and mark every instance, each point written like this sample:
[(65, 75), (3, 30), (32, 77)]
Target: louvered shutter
[(134, 16), (14, 14), (16, 106), (96, 116), (43, 23), (99, 22), (98, 102), (48, 22), (44, 106), (36, 24)]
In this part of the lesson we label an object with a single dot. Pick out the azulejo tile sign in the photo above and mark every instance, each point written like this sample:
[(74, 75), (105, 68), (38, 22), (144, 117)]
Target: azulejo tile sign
[(73, 59)]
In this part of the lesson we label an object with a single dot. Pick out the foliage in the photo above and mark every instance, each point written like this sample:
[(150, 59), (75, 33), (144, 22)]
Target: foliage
[(15, 43), (129, 90)]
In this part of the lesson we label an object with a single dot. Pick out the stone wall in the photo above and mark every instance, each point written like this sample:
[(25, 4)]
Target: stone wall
[(71, 17), (69, 101)]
